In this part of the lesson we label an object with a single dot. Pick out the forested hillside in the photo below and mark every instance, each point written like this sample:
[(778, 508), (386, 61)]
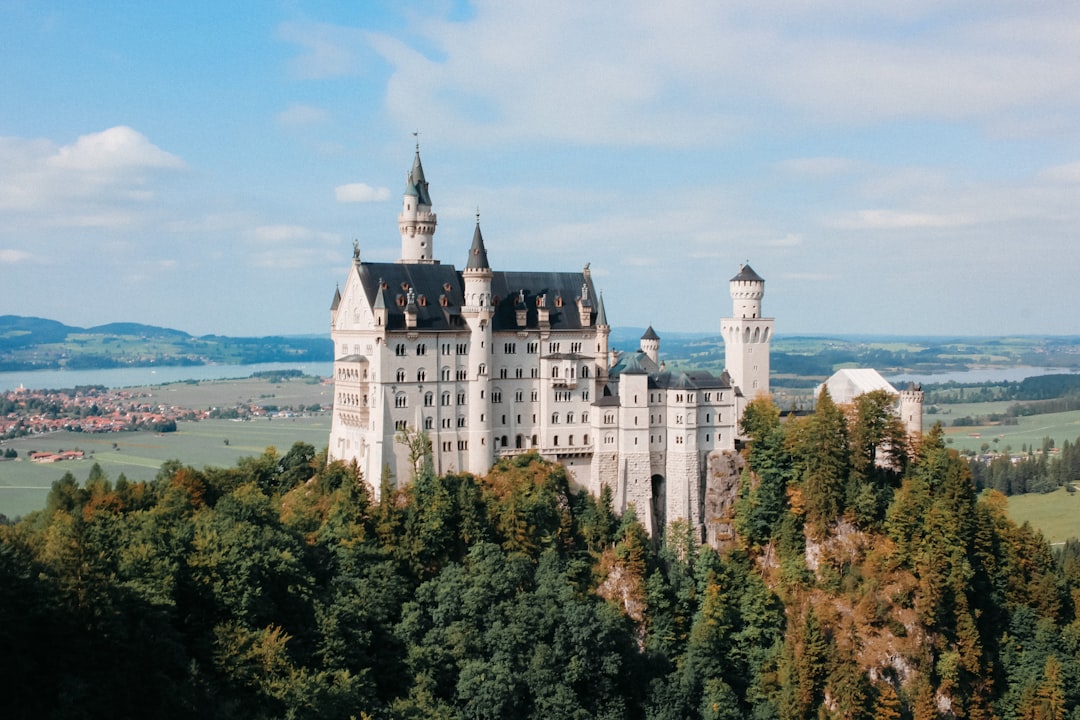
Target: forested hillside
[(868, 581)]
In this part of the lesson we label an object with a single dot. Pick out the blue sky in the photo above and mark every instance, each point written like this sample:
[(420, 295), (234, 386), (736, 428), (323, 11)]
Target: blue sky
[(894, 168)]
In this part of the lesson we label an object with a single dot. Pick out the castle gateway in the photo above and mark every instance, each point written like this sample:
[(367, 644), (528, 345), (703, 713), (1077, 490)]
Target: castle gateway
[(493, 363)]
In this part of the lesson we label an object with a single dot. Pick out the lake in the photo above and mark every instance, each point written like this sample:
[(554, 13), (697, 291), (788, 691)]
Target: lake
[(143, 376), (978, 375)]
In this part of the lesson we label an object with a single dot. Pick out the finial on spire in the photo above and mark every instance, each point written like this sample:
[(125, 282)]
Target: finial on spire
[(416, 135), (477, 214)]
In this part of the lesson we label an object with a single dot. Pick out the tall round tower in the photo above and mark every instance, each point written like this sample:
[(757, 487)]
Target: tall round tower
[(478, 312), (747, 335), (416, 221)]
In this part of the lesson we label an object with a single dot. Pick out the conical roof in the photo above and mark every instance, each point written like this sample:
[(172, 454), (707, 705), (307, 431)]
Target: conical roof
[(478, 259), (650, 334), (747, 274), (415, 183)]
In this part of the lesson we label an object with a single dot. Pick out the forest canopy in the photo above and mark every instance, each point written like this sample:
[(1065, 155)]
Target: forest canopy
[(868, 579)]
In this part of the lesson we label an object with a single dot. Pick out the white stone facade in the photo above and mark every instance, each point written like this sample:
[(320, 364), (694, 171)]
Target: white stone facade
[(497, 363)]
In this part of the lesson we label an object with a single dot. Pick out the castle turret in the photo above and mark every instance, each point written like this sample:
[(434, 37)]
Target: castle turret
[(747, 335), (911, 411), (416, 221), (603, 332), (650, 345), (478, 312)]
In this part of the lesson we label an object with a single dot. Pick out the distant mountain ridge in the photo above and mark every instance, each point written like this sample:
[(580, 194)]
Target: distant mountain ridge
[(33, 343)]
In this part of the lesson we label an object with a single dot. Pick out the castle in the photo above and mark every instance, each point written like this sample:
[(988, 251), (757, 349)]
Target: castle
[(495, 363)]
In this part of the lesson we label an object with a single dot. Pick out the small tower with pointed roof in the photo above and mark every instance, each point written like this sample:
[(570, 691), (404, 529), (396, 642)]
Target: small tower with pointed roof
[(650, 345), (477, 313), (416, 221), (747, 335)]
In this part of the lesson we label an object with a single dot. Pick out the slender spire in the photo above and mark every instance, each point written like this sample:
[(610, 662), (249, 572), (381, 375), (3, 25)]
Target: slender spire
[(337, 298), (478, 259), (601, 314), (415, 183), (380, 298)]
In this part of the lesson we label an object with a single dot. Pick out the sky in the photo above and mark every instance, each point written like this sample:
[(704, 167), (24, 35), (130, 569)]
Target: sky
[(896, 168)]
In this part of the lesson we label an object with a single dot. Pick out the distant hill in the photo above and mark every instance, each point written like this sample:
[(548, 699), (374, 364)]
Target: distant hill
[(31, 343)]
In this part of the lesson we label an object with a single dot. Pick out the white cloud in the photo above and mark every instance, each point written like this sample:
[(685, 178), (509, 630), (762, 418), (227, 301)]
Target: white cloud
[(818, 166), (10, 256), (329, 50), (105, 179), (1067, 173), (116, 149), (880, 219), (360, 193), (789, 240), (578, 72), (291, 246), (298, 115)]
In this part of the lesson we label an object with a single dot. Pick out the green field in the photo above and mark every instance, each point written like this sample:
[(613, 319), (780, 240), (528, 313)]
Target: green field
[(1056, 514), (24, 485), (1028, 431)]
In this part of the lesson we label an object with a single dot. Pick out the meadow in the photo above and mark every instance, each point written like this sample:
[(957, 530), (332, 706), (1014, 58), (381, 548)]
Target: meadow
[(1056, 514), (138, 455), (1029, 431)]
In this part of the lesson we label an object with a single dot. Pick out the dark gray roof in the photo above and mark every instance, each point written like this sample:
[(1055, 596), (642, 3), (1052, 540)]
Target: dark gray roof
[(747, 274), (601, 313), (650, 334), (478, 259), (337, 299), (440, 293)]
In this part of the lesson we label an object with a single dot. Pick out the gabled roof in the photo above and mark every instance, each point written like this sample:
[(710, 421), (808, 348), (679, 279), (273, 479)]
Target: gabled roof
[(847, 384)]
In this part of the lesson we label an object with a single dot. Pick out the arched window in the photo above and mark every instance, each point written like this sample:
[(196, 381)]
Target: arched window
[(401, 375), (429, 399), (421, 375)]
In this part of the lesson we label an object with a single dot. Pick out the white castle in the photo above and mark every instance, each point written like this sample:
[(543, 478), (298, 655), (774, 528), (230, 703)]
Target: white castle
[(495, 363)]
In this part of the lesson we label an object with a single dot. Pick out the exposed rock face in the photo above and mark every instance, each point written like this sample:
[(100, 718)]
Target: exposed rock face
[(721, 492)]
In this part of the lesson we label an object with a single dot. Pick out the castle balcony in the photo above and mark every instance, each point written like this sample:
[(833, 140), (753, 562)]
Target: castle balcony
[(563, 382)]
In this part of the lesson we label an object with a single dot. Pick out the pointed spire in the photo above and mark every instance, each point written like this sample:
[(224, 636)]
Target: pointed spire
[(337, 298), (650, 334), (478, 259), (601, 314), (416, 184), (380, 297)]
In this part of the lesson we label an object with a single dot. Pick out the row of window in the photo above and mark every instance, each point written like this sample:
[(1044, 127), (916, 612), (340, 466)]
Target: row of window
[(347, 373), (401, 349), (532, 348)]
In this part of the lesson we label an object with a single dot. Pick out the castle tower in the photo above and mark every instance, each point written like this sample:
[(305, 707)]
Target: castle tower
[(478, 312), (603, 332), (416, 221), (747, 335), (911, 410), (650, 345)]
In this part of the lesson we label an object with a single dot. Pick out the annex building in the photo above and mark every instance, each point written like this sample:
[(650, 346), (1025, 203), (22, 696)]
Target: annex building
[(492, 363)]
